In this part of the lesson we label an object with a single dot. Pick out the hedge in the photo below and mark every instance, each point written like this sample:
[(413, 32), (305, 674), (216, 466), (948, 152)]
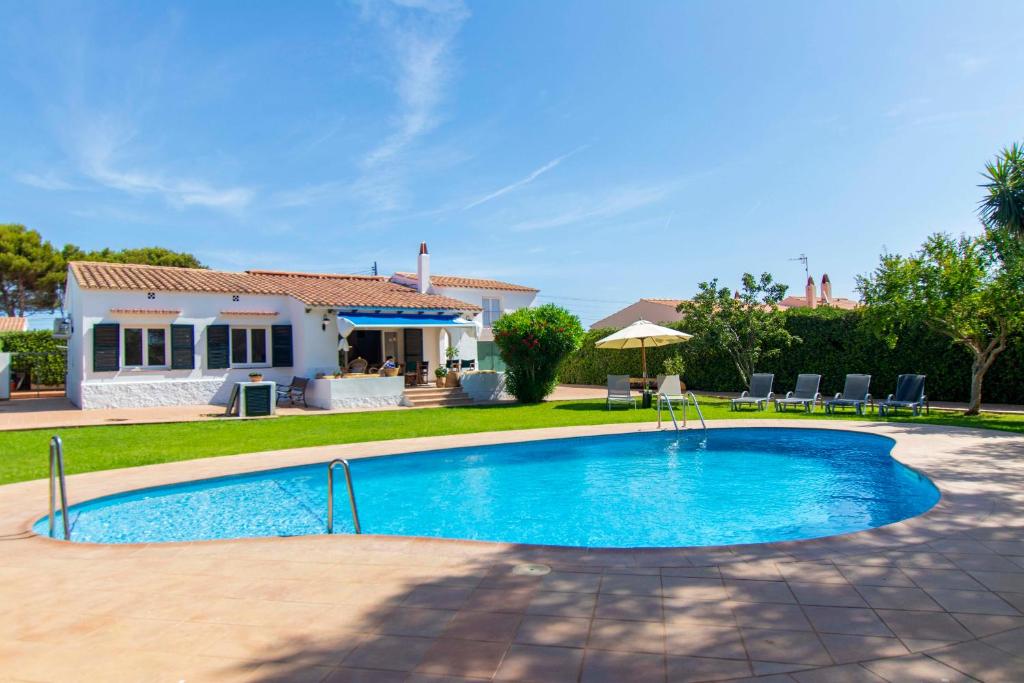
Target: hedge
[(37, 353), (834, 343)]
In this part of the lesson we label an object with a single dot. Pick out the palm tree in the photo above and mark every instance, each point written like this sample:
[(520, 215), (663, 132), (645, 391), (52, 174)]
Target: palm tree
[(1003, 206)]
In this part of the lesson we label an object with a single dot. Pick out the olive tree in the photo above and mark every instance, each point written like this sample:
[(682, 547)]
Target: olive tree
[(958, 287), (747, 325)]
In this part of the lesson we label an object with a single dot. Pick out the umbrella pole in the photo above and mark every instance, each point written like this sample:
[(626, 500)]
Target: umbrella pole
[(643, 361)]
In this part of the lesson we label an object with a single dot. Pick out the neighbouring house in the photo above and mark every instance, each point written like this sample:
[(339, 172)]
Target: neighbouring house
[(9, 323), (653, 310), (811, 298), (154, 335)]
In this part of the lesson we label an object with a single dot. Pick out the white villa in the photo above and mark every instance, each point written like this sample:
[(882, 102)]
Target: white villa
[(153, 335)]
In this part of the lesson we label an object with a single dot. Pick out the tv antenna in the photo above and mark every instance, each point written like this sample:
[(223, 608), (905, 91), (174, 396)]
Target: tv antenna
[(802, 258)]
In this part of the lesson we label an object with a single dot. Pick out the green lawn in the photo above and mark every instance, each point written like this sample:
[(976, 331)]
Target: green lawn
[(23, 454)]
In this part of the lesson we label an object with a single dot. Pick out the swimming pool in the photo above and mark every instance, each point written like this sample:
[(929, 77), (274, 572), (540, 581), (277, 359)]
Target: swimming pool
[(651, 489)]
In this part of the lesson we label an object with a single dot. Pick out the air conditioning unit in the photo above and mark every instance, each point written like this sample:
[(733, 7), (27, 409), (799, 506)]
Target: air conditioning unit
[(62, 328)]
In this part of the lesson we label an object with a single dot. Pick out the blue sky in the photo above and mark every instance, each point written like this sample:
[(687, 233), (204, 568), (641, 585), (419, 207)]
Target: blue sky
[(601, 151)]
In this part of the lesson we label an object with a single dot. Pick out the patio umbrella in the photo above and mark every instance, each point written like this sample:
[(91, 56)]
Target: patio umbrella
[(642, 334)]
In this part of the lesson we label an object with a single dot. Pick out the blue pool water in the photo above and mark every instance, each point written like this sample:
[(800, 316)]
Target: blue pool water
[(636, 490)]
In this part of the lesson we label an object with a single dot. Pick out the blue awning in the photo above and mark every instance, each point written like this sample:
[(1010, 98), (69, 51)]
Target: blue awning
[(391, 320)]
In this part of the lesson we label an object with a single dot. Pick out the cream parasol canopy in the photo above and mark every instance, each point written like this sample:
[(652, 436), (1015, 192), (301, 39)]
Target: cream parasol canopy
[(640, 335)]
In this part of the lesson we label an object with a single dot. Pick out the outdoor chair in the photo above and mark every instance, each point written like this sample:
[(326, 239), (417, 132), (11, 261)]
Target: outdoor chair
[(909, 394), (467, 364), (618, 390), (424, 369), (760, 392), (294, 391), (806, 394), (670, 388), (412, 374), (358, 366), (854, 395)]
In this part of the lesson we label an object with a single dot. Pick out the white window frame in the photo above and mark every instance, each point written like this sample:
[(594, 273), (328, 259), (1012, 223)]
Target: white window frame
[(497, 314), (248, 346), (145, 347)]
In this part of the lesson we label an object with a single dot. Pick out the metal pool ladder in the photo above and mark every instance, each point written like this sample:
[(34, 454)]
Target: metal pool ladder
[(330, 495), (57, 472), (687, 397)]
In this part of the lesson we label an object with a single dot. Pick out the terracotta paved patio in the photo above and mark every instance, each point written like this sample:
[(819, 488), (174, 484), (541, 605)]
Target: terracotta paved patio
[(935, 598)]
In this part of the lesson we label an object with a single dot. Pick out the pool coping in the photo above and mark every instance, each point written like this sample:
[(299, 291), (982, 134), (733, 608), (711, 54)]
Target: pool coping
[(303, 607), (934, 523)]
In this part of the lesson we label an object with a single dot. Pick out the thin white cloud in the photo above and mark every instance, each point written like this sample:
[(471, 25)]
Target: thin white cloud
[(101, 142), (524, 181), (613, 203), (419, 35), (44, 181)]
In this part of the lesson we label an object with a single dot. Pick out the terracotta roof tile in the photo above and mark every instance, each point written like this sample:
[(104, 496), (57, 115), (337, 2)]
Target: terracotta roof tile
[(467, 282), (358, 291), (665, 302), (10, 323), (146, 311)]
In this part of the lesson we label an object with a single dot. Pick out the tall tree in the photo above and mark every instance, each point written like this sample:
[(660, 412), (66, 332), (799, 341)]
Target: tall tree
[(1002, 208), (957, 287), (152, 256), (748, 325), (31, 271)]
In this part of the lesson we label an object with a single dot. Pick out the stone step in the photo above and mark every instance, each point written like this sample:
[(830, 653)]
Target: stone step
[(440, 402), (424, 393)]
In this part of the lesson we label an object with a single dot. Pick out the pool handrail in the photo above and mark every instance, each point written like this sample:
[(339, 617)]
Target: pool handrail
[(57, 471), (330, 495), (692, 397)]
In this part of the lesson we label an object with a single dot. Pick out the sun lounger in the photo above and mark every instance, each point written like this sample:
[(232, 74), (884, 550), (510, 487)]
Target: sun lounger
[(760, 392), (854, 395), (909, 394), (618, 390), (806, 394)]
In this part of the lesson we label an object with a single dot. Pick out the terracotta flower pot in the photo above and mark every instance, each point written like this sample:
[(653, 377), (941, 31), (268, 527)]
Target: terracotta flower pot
[(255, 378), (452, 379), (440, 382)]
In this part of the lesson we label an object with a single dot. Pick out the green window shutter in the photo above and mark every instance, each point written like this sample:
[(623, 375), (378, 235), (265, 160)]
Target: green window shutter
[(183, 353), (106, 347), (281, 346), (217, 347)]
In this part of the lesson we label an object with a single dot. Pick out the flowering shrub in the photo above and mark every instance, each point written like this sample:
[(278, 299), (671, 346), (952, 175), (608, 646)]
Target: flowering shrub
[(533, 343)]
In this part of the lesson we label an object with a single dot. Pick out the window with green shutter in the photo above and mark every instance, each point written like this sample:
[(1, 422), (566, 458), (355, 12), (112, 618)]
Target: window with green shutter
[(183, 353), (106, 347), (281, 346), (217, 347)]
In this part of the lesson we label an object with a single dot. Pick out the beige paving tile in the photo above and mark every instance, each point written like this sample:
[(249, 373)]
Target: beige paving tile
[(639, 608), (348, 675), (934, 626), (759, 591), (615, 667), (915, 668), (413, 621), (855, 648), (845, 673), (560, 631), (1010, 582), (499, 599), (827, 594), (873, 575), (773, 645), (980, 602), (537, 664), (627, 636), (688, 588), (763, 615), (711, 612), (846, 620), (395, 653), (462, 658), (631, 584), (720, 642), (1008, 641), (982, 661), (694, 669), (941, 578), (811, 572), (987, 624), (892, 597), (571, 582), (563, 604), (492, 626)]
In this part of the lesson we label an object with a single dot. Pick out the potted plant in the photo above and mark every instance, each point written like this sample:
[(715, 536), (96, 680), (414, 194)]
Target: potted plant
[(452, 379), (255, 376), (440, 374)]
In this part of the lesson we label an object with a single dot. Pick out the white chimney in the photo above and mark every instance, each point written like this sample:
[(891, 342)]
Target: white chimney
[(423, 270)]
